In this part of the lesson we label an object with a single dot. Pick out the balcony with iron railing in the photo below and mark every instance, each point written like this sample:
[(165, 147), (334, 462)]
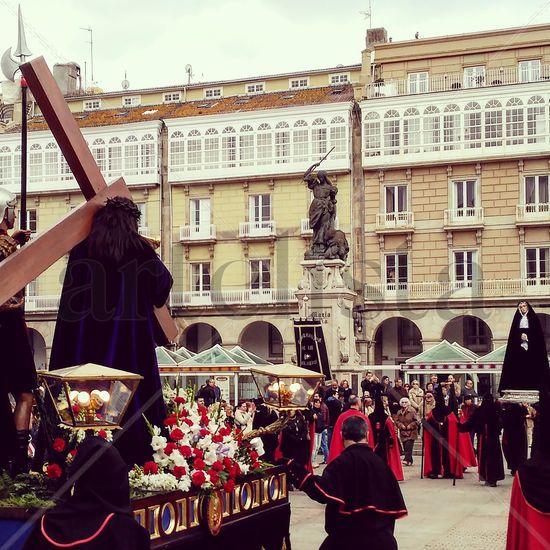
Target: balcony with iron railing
[(533, 214), (450, 82), (457, 290), (197, 233), (394, 222), (469, 217), (257, 229), (35, 304), (236, 296)]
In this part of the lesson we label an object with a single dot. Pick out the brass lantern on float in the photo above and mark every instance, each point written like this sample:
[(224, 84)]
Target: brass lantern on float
[(286, 387), (90, 396)]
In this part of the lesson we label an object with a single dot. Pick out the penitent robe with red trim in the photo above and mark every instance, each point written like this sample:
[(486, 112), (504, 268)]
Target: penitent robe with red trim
[(386, 446), (337, 442)]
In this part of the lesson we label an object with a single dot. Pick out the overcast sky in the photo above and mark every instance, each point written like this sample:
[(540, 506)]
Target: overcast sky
[(153, 40)]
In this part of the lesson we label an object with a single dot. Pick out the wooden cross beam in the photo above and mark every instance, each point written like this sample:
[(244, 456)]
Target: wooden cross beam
[(44, 250)]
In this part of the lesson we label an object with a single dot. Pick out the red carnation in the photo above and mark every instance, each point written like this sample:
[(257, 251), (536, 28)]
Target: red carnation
[(188, 421), (202, 410), (179, 471), (176, 434), (186, 451), (58, 445), (227, 462), (204, 432), (228, 486), (256, 465), (199, 464), (183, 413), (150, 468), (102, 433), (179, 400), (198, 453), (214, 477), (205, 420), (170, 420), (53, 471), (225, 431), (76, 409), (217, 438), (198, 478), (253, 456), (169, 448), (218, 466)]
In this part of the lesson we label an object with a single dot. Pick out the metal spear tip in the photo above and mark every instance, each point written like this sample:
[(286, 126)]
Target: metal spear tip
[(22, 49)]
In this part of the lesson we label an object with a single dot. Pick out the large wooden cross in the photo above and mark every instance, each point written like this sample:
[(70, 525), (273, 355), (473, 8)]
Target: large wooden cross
[(46, 248)]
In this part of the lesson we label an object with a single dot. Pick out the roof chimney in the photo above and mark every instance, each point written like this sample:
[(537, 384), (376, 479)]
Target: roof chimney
[(376, 36)]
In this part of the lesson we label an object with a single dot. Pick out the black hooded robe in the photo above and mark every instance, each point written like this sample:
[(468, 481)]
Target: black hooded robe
[(97, 516), (106, 316), (525, 369), (514, 436), (362, 496)]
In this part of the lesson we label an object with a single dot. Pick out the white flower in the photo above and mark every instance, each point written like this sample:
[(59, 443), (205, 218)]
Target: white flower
[(210, 456), (184, 484), (258, 445), (244, 468), (158, 442), (178, 460)]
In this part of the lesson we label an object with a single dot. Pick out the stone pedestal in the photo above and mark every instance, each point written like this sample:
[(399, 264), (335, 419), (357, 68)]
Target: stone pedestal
[(323, 295)]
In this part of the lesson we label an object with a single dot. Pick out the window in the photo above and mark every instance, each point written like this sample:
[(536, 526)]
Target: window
[(36, 164), (229, 147), (148, 156), (264, 147), (211, 148), (298, 83), (114, 157), (451, 127), (32, 288), (537, 265), (131, 101), (391, 133), (529, 71), (396, 271), (142, 207), (194, 150), (200, 277), (395, 199), (171, 97), (257, 88), (275, 341), (17, 163), (338, 137), (411, 131), (51, 162), (32, 220), (260, 208), (336, 79), (319, 137), (514, 121), (476, 335), (472, 125), (410, 339), (177, 150), (417, 83), (464, 262), (98, 151), (92, 105), (432, 128), (246, 145), (282, 143), (464, 197), (493, 124), (131, 156), (474, 77), (212, 93), (260, 274), (300, 141), (199, 214), (536, 124), (5, 165), (536, 194), (371, 129)]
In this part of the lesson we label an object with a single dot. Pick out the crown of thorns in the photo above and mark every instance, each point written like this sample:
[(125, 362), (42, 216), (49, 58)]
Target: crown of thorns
[(124, 204)]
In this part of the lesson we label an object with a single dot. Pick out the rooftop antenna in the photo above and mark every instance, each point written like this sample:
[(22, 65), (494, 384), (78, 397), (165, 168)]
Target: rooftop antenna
[(89, 29), (189, 71), (125, 83), (368, 14)]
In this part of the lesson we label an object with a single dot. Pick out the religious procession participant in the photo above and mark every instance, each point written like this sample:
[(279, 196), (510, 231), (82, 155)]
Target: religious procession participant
[(485, 422), (529, 518), (96, 515), (114, 280), (514, 434), (361, 494), (337, 442), (444, 453), (18, 372), (384, 438)]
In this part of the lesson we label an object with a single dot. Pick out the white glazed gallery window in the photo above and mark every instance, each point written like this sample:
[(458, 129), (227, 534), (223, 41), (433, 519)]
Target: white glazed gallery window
[(336, 79), (319, 137), (392, 132), (260, 274), (264, 147), (474, 77), (246, 146), (464, 198), (417, 83), (371, 131), (411, 130), (211, 148), (432, 128), (537, 266), (529, 71), (51, 162), (300, 141), (229, 147), (536, 194), (131, 101), (515, 121), (114, 157), (194, 150), (36, 162), (171, 97), (213, 93), (99, 153), (256, 88), (451, 127), (464, 267), (131, 156), (298, 83), (338, 137), (200, 277), (148, 157), (177, 150), (5, 165), (92, 105), (493, 124), (472, 125), (536, 121), (396, 271), (282, 143)]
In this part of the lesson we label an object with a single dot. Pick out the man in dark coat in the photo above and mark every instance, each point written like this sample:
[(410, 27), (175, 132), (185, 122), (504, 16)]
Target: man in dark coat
[(514, 437), (263, 417), (525, 365), (208, 392), (485, 422), (114, 280), (362, 496)]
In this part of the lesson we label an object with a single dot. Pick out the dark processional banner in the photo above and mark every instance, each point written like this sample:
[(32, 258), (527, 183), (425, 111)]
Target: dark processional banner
[(311, 350)]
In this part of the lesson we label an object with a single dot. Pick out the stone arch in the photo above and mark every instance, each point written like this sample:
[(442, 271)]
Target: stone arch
[(263, 339), (470, 332), (396, 339), (200, 336)]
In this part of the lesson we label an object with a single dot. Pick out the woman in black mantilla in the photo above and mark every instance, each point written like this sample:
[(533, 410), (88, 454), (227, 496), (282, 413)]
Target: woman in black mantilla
[(525, 365)]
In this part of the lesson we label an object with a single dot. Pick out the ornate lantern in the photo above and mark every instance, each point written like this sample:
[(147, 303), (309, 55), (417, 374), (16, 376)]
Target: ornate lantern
[(286, 387), (90, 396)]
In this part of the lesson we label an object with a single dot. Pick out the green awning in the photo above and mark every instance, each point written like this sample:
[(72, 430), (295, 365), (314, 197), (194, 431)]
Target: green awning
[(443, 354)]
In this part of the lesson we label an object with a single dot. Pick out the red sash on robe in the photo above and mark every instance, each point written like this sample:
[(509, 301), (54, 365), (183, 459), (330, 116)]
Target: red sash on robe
[(528, 529), (393, 459), (337, 443)]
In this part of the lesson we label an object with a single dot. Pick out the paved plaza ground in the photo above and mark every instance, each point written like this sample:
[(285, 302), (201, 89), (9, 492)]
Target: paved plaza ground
[(441, 517)]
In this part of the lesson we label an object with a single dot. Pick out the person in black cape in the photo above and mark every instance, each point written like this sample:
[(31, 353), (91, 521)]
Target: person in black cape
[(525, 365), (362, 495), (514, 436), (97, 515), (296, 438), (263, 417), (114, 280), (438, 425), (485, 421)]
